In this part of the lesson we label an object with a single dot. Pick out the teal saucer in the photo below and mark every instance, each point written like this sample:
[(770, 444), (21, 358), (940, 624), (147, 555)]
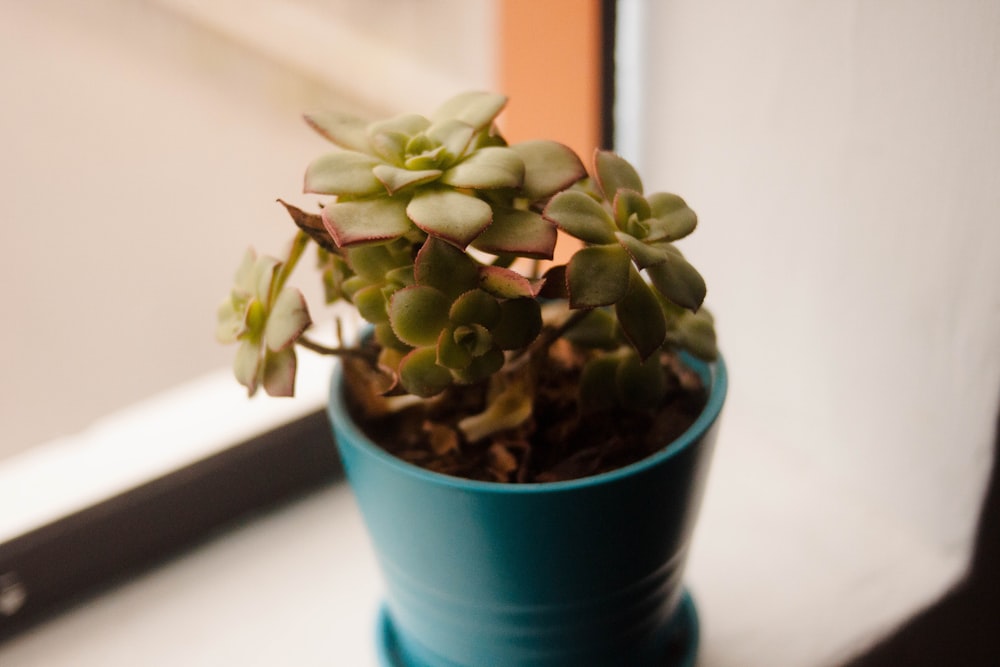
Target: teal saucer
[(681, 652)]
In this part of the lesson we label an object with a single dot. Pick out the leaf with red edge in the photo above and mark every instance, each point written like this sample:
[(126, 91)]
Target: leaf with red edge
[(475, 108), (582, 217), (441, 265), (678, 281), (453, 216), (642, 254), (488, 168), (343, 129), (366, 221), (418, 314), (673, 218), (548, 168), (614, 172), (554, 286), (288, 318), (475, 307), (628, 203), (279, 372), (507, 284), (517, 232), (396, 178)]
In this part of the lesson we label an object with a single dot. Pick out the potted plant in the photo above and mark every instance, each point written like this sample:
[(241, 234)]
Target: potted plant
[(527, 440)]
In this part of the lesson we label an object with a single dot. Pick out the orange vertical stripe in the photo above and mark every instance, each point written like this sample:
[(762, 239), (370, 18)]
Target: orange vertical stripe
[(550, 69)]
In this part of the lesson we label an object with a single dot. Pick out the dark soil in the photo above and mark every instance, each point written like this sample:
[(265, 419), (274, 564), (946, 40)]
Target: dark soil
[(556, 444)]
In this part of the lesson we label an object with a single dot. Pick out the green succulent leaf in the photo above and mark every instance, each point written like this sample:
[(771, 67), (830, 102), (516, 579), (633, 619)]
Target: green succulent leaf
[(518, 232), (373, 262), (396, 178), (678, 281), (405, 125), (628, 203), (598, 276), (424, 161), (343, 173), (343, 129), (418, 314), (548, 168), (481, 367), (352, 223), (613, 173), (450, 215), (450, 353), (371, 304), (474, 108), (475, 307), (507, 284), (487, 168), (453, 138), (420, 374), (642, 254), (582, 217), (673, 219), (641, 317), (476, 338), (230, 321), (288, 318), (520, 323), (390, 147), (386, 338), (246, 365), (441, 265)]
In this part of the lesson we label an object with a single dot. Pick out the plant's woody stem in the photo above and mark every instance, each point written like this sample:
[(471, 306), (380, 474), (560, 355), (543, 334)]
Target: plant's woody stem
[(319, 348)]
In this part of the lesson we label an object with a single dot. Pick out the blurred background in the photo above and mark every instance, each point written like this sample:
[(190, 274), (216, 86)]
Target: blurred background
[(143, 147)]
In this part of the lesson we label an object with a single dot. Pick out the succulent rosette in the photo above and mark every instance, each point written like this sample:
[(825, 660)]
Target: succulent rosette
[(451, 176), (265, 318), (626, 233), (458, 319)]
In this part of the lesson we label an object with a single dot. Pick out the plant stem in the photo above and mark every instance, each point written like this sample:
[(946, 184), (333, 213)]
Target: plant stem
[(319, 348), (549, 336), (299, 244)]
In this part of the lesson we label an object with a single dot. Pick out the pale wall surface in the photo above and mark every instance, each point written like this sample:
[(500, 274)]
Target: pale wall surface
[(844, 158)]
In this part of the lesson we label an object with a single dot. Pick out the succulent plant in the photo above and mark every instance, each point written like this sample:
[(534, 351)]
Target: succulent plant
[(434, 231)]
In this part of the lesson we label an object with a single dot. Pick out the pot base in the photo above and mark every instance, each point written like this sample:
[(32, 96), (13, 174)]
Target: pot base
[(682, 651)]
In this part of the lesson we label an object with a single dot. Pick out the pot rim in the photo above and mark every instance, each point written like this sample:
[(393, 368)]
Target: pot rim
[(715, 371)]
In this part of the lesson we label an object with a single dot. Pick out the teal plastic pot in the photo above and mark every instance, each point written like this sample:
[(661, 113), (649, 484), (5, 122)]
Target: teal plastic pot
[(585, 573)]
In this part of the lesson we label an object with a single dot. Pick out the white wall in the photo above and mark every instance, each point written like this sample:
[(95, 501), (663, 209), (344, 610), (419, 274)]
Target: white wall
[(844, 158)]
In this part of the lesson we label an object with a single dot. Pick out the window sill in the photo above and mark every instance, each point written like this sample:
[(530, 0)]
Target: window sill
[(789, 567)]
